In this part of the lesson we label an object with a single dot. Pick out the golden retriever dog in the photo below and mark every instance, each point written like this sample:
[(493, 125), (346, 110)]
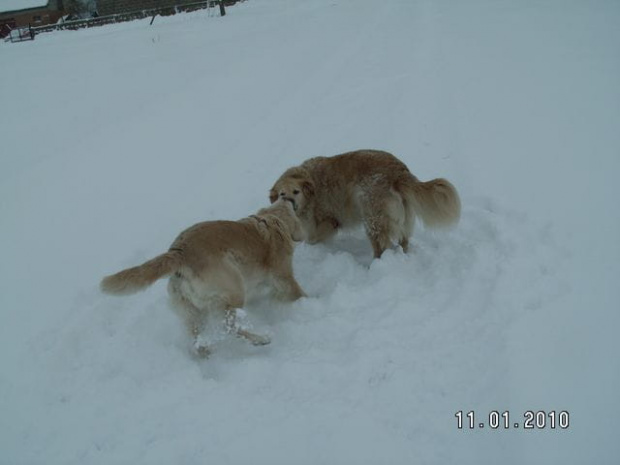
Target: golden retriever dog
[(213, 264), (368, 187)]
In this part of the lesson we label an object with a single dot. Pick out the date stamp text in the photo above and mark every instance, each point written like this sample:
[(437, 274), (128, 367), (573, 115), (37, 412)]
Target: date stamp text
[(496, 420)]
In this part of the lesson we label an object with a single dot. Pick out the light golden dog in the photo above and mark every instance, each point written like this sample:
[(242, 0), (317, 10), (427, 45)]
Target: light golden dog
[(212, 264), (370, 187)]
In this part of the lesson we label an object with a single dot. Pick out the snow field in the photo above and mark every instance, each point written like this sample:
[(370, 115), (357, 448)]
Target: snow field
[(117, 138)]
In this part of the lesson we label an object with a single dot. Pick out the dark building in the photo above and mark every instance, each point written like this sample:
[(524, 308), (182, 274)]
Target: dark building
[(20, 13), (110, 7)]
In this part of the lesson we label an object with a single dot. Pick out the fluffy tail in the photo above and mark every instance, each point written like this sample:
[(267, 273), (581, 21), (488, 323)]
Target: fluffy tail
[(137, 278), (436, 202)]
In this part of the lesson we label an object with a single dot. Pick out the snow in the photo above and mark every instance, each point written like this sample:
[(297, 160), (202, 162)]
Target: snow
[(12, 5), (114, 139)]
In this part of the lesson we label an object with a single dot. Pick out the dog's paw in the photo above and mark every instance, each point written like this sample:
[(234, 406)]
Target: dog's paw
[(201, 350), (260, 340), (254, 339)]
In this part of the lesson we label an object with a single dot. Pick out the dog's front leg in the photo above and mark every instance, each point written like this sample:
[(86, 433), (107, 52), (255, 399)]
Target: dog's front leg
[(287, 288), (319, 230), (325, 229)]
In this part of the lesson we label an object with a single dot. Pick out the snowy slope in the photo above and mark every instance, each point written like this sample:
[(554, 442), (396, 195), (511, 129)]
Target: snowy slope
[(114, 139)]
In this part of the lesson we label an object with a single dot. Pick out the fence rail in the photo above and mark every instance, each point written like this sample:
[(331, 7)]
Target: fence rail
[(21, 34)]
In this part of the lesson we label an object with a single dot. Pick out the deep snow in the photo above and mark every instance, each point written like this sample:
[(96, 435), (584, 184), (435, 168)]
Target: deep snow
[(116, 138)]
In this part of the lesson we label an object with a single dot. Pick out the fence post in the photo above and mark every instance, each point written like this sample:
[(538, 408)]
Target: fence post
[(222, 9)]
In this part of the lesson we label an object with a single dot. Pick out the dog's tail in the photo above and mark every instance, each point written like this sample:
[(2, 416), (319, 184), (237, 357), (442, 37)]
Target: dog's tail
[(139, 277), (436, 202)]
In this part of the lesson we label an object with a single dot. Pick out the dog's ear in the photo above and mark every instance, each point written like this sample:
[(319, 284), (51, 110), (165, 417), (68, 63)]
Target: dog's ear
[(308, 188), (273, 195)]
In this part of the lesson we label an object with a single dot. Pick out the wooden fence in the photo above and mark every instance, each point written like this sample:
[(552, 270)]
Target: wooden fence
[(133, 15)]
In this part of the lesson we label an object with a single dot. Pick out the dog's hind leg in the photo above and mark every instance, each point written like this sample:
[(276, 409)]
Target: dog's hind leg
[(192, 316), (383, 218), (407, 226), (231, 294), (233, 327)]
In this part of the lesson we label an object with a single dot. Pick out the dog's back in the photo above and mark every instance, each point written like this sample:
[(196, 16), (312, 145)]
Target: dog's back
[(361, 166), (346, 183), (210, 241)]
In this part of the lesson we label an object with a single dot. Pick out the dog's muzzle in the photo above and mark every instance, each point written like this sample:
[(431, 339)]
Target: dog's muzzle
[(288, 199)]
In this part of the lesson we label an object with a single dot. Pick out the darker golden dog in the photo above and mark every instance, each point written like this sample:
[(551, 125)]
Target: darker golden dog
[(370, 187)]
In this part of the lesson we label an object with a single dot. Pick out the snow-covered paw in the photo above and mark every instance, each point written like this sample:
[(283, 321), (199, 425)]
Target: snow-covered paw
[(254, 339), (260, 340), (201, 348), (202, 351)]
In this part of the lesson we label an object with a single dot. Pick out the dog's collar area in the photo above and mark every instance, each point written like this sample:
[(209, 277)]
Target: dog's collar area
[(259, 219)]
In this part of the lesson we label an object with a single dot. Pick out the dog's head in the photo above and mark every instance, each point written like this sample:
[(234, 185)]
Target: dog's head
[(294, 186), (283, 214)]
